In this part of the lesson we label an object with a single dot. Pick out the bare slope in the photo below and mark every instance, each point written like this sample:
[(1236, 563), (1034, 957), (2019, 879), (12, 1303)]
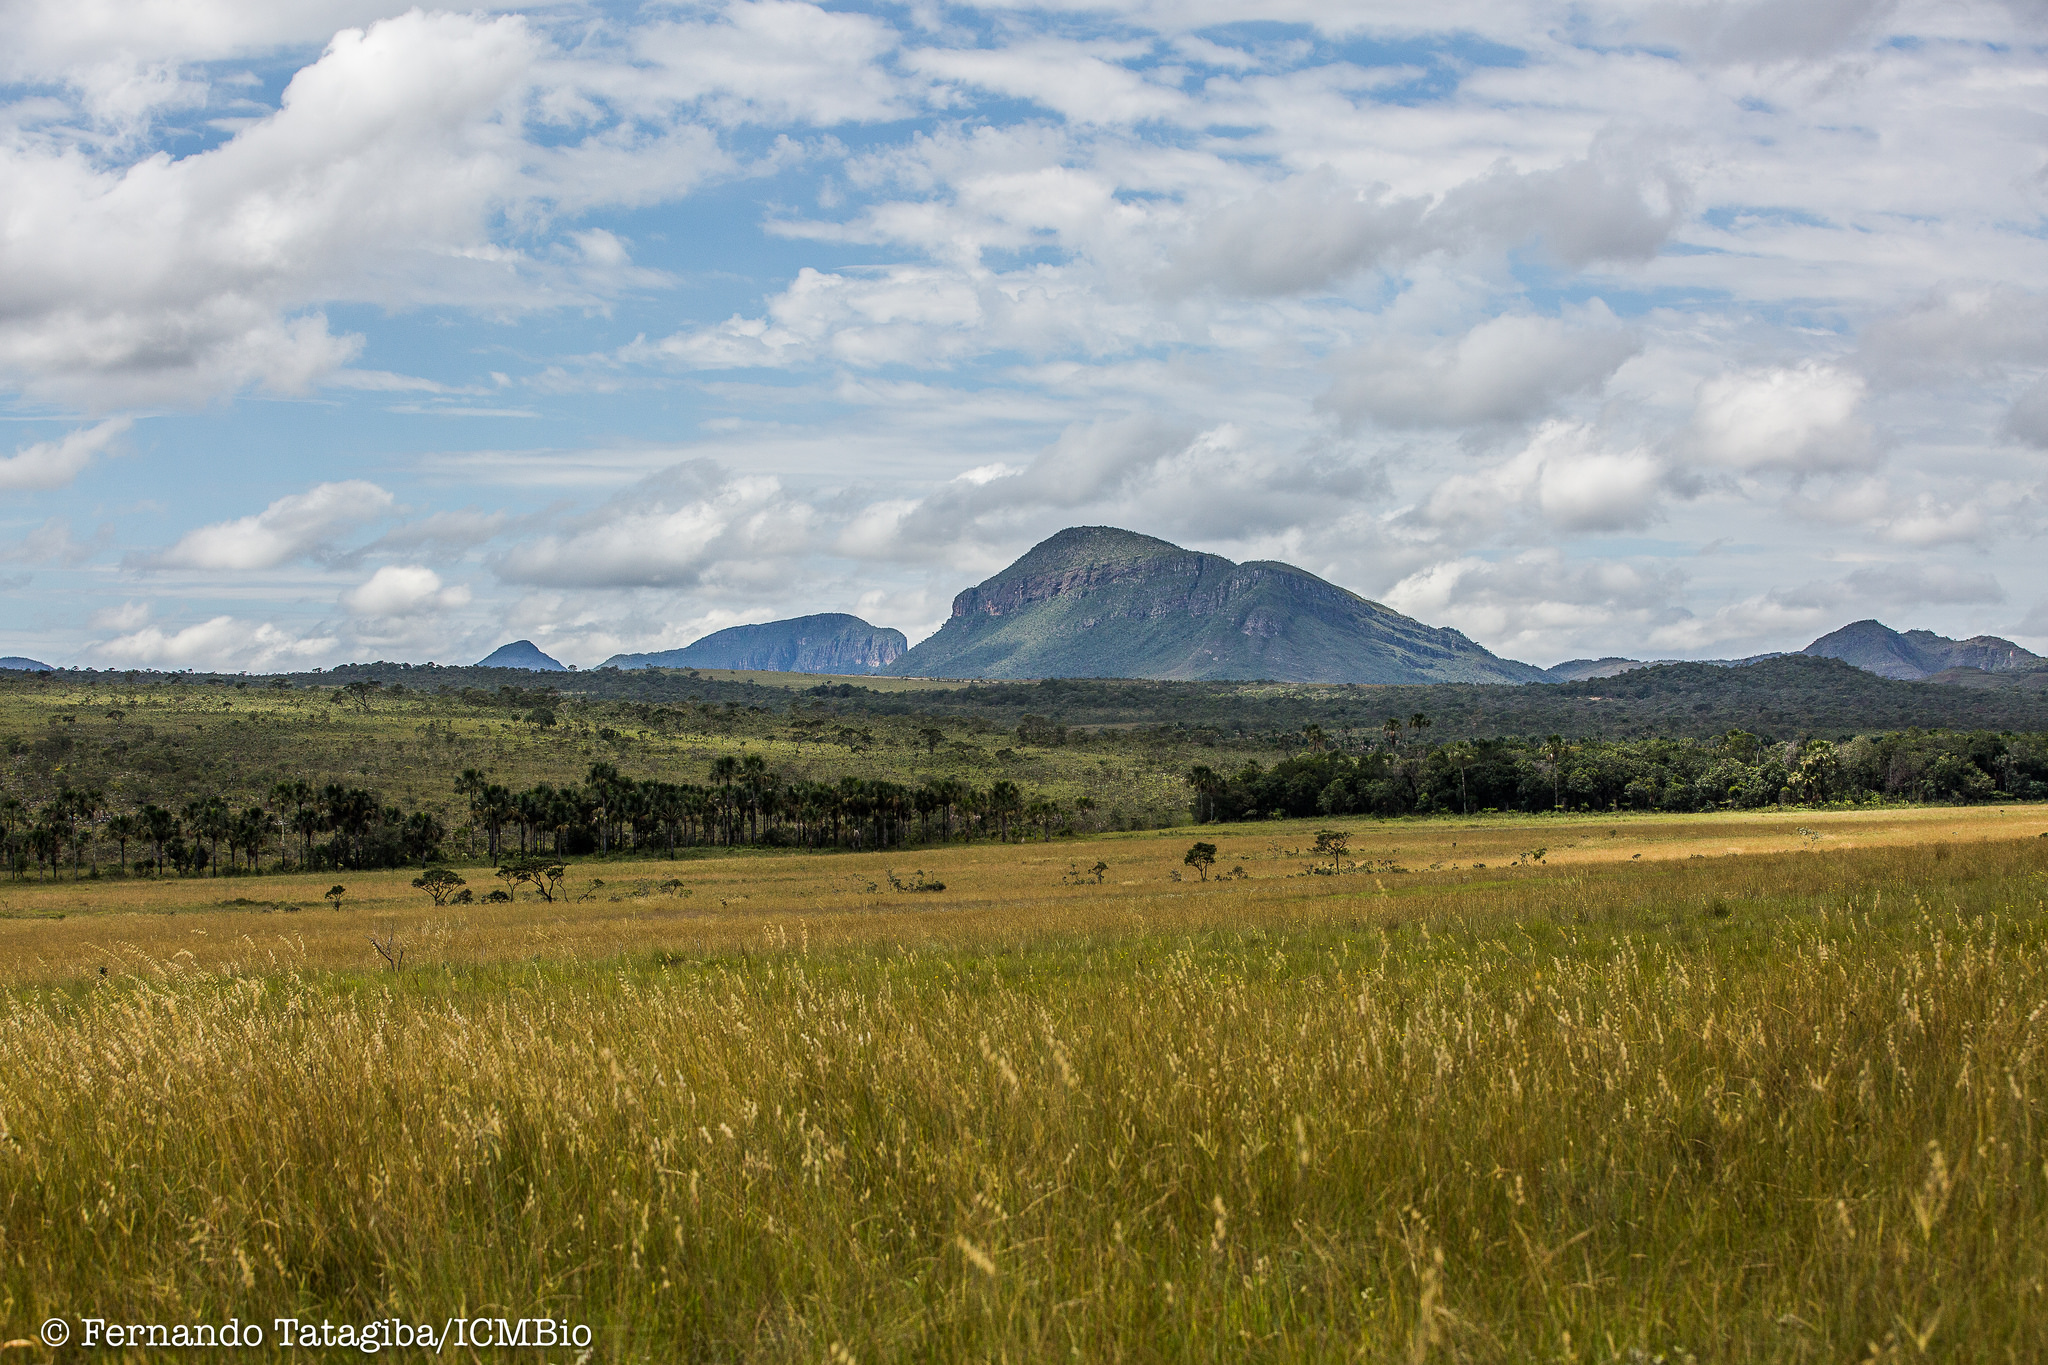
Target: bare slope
[(1098, 602)]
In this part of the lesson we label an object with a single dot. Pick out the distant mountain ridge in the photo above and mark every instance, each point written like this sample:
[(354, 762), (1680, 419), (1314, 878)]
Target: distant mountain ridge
[(1578, 670), (1101, 602), (1904, 656), (21, 665), (1912, 655), (831, 642), (521, 654)]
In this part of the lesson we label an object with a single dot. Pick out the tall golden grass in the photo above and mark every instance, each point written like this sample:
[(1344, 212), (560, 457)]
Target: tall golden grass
[(1782, 1106)]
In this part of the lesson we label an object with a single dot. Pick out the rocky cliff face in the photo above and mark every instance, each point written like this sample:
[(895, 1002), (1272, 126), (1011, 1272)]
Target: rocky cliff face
[(1095, 601), (828, 643)]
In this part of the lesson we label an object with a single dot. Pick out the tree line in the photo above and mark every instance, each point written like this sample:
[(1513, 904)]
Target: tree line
[(334, 826), (338, 827), (744, 801), (1528, 774)]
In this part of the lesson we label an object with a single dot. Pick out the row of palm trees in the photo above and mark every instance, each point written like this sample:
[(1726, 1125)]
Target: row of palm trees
[(338, 826), (744, 802), (73, 828)]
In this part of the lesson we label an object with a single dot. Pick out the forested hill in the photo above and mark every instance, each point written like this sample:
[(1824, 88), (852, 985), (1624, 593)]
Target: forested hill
[(1788, 697)]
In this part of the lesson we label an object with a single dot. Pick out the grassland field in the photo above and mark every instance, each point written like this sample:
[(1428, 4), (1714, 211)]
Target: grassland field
[(1742, 1087)]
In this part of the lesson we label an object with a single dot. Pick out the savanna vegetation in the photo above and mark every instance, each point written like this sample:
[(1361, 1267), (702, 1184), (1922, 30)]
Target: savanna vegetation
[(176, 777), (1733, 1086)]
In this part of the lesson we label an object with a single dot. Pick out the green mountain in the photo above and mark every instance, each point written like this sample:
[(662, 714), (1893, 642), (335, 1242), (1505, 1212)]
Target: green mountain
[(1097, 602), (829, 643)]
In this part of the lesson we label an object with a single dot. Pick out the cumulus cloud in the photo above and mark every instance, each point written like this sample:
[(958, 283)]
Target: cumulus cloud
[(302, 526), (1214, 484), (689, 525), (53, 464), (1507, 369), (128, 616), (1566, 478), (1540, 606), (1804, 419), (770, 61), (403, 590), (1920, 519), (1303, 233), (384, 176), (223, 643), (1619, 204)]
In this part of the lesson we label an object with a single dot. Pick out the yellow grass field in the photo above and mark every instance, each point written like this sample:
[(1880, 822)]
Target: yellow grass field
[(70, 929), (1742, 1087)]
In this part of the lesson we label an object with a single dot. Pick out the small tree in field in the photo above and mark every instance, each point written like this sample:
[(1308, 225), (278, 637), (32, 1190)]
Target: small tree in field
[(1332, 843), (335, 893), (542, 873), (438, 882), (1201, 858)]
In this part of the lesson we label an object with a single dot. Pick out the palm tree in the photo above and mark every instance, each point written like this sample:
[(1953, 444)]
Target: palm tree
[(306, 822), (724, 769), (122, 828), (210, 821), (1206, 783), (1555, 750), (1005, 798), (159, 826)]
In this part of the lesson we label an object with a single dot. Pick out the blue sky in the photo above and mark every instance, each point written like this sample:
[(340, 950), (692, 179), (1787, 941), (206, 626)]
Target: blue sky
[(343, 330)]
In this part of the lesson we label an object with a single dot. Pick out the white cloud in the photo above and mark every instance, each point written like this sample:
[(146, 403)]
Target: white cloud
[(1507, 369), (403, 590), (1566, 478), (53, 464), (304, 525), (1805, 418), (1084, 82), (223, 643), (50, 543), (689, 525), (1540, 606), (771, 61), (1303, 233), (384, 176), (128, 616)]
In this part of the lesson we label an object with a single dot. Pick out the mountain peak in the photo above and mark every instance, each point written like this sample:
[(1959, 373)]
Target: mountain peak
[(1099, 601), (521, 654), (1915, 654), (1088, 547)]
